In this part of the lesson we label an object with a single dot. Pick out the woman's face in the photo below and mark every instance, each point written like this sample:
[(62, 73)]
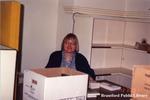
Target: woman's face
[(69, 45)]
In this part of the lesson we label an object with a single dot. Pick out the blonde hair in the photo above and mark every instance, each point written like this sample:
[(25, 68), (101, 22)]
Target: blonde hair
[(73, 37)]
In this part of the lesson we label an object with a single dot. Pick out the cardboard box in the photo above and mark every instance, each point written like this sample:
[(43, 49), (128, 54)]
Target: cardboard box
[(141, 82), (54, 84)]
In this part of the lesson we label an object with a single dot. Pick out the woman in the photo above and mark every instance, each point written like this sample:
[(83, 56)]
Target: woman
[(69, 56)]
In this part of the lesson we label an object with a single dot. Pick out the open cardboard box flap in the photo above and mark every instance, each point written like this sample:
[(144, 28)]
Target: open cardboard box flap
[(53, 72), (49, 84)]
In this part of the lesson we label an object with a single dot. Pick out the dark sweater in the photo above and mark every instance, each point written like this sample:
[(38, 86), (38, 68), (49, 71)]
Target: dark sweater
[(81, 63)]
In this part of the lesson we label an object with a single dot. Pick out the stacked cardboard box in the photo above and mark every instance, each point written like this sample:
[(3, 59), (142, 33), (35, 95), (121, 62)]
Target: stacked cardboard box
[(141, 82)]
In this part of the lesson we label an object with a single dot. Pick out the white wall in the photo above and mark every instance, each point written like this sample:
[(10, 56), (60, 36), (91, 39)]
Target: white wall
[(65, 22), (137, 5), (104, 4), (67, 2), (127, 5), (45, 25), (39, 32)]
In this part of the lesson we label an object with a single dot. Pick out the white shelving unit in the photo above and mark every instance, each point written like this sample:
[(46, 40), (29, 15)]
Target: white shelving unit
[(112, 24), (113, 43), (110, 42), (113, 47)]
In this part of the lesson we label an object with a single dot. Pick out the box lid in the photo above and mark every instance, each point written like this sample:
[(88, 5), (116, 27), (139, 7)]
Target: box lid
[(53, 72)]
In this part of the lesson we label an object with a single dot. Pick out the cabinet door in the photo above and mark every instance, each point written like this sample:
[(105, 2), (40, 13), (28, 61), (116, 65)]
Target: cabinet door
[(83, 30), (135, 32), (106, 58), (108, 31), (10, 23), (133, 57)]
